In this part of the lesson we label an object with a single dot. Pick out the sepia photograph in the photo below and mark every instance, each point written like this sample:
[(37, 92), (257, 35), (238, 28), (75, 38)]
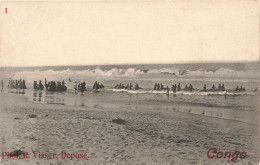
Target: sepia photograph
[(127, 82)]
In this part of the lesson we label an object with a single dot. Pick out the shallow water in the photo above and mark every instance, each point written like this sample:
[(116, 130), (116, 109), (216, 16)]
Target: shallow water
[(241, 106), (233, 107)]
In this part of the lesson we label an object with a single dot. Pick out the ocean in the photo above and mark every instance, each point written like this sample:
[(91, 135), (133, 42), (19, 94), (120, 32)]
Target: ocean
[(229, 104)]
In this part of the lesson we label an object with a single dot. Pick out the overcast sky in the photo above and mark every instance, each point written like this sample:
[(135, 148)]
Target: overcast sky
[(124, 32)]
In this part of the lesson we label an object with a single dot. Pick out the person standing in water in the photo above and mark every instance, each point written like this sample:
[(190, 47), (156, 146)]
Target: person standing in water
[(2, 86), (219, 87), (155, 86), (179, 87), (167, 90), (204, 88), (191, 88), (131, 86), (223, 87), (162, 87)]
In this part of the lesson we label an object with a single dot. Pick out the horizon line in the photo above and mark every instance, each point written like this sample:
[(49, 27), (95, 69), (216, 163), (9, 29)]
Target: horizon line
[(106, 64)]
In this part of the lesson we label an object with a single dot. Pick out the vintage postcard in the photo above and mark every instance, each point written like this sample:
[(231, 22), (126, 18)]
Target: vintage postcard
[(127, 82)]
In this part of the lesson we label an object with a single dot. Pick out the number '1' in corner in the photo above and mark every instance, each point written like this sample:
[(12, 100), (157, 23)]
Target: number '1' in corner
[(6, 10)]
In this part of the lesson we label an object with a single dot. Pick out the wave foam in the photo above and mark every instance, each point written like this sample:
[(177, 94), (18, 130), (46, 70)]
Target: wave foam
[(129, 72)]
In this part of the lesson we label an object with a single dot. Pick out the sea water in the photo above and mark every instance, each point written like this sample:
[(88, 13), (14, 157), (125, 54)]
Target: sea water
[(227, 104)]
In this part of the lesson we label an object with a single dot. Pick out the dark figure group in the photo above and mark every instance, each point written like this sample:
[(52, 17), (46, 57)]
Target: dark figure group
[(214, 88), (127, 86), (176, 88), (55, 87), (38, 86), (17, 84), (240, 88), (158, 86), (122, 86), (80, 87), (97, 86), (188, 88)]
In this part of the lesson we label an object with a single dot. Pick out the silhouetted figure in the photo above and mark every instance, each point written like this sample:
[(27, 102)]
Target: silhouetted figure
[(41, 85), (2, 86), (162, 87), (204, 88), (186, 87), (237, 88), (130, 86), (167, 90), (219, 87), (213, 87), (155, 86), (16, 84), (76, 87), (191, 88), (223, 87), (179, 87), (255, 89), (83, 87), (242, 89), (136, 86), (102, 86), (35, 86)]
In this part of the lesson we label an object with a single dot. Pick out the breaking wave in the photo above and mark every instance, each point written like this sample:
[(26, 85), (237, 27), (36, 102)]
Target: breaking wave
[(230, 93), (129, 73)]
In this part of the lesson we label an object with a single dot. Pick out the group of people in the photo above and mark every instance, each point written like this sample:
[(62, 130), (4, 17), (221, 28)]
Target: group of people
[(97, 86), (38, 86), (55, 87), (128, 86), (158, 86), (80, 87), (122, 86), (17, 84), (214, 88), (240, 88)]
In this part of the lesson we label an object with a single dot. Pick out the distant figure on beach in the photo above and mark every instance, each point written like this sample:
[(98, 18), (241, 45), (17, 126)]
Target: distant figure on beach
[(24, 86), (162, 87), (242, 89), (204, 88), (191, 87), (219, 87), (83, 87), (136, 86), (179, 87), (41, 85), (186, 87), (223, 87), (174, 88), (255, 89), (213, 87), (69, 80), (167, 90), (76, 86), (2, 86), (130, 86), (237, 88), (155, 86)]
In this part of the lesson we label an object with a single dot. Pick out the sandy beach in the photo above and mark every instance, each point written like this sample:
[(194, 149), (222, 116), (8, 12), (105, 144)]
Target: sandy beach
[(146, 137)]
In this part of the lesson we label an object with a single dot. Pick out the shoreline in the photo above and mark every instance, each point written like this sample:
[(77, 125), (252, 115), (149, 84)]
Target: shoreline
[(147, 137)]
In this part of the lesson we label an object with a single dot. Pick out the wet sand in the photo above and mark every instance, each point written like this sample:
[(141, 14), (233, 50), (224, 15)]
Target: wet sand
[(147, 137)]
